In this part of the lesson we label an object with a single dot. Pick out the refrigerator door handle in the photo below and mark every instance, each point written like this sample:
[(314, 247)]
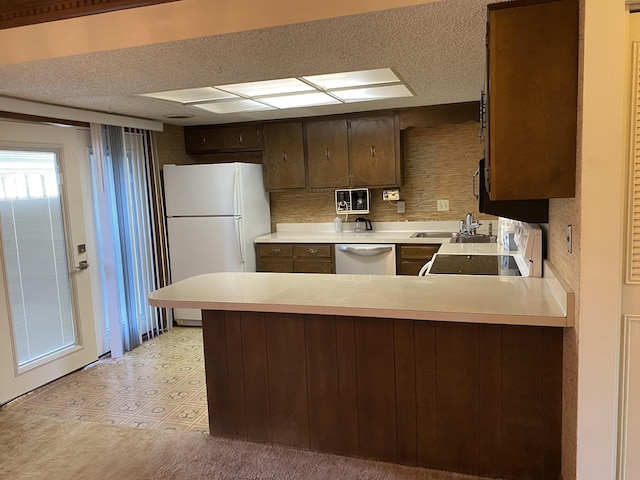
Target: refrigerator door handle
[(239, 238), (236, 191)]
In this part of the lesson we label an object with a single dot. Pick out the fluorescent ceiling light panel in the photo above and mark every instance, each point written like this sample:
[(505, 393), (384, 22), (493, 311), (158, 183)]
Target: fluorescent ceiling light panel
[(191, 95), (329, 89), (372, 93), (268, 87), (300, 100), (353, 79), (233, 106)]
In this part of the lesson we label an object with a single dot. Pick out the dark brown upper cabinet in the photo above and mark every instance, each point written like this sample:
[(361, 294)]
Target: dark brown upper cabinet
[(374, 144), (327, 153), (202, 139), (283, 156), (230, 138), (353, 152), (240, 137), (532, 92)]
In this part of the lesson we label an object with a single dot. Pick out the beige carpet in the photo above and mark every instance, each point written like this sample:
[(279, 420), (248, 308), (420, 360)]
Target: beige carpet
[(39, 447)]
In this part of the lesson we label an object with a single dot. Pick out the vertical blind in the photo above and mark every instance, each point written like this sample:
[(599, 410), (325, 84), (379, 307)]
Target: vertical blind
[(124, 185)]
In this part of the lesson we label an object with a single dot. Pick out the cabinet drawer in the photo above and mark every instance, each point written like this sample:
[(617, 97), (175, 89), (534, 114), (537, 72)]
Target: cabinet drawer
[(277, 250), (419, 252), (273, 264), (314, 251), (318, 265)]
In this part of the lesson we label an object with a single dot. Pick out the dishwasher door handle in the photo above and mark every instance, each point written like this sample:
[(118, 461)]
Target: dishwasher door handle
[(367, 251)]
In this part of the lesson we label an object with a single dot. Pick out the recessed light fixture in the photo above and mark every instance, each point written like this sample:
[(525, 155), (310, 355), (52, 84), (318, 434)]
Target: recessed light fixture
[(311, 90), (178, 116)]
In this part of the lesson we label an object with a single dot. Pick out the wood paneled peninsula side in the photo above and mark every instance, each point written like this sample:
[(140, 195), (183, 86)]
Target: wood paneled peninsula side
[(453, 373)]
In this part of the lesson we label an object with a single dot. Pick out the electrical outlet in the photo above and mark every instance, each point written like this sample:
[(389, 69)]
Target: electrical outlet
[(569, 238), (400, 206), (391, 195), (442, 205)]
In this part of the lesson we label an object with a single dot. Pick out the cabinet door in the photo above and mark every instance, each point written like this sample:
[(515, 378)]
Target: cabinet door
[(240, 137), (532, 60), (327, 153), (200, 140), (283, 156), (373, 151), (411, 258)]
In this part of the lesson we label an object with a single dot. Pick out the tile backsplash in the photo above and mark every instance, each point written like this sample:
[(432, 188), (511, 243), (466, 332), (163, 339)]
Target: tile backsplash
[(438, 164)]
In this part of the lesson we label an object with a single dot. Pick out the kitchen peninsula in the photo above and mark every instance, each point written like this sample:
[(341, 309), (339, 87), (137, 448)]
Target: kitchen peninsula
[(449, 372)]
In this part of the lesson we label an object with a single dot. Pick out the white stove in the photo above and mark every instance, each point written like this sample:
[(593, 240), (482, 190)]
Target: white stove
[(528, 239), (525, 260)]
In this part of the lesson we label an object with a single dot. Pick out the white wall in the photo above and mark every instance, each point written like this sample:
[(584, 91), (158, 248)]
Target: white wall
[(157, 23), (602, 211)]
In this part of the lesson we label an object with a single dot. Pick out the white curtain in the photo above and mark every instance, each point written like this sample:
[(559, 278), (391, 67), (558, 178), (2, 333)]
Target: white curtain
[(125, 195)]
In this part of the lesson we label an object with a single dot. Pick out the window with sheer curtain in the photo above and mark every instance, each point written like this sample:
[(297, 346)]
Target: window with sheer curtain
[(130, 247)]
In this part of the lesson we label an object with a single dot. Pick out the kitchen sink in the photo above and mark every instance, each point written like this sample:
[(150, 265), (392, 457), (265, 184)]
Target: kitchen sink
[(432, 235), (474, 238)]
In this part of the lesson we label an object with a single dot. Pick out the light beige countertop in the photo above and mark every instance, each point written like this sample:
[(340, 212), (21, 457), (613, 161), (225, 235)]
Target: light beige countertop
[(383, 232), (347, 237), (453, 298)]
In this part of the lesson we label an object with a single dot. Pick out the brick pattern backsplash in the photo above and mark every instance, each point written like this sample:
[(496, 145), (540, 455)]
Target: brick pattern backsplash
[(438, 163)]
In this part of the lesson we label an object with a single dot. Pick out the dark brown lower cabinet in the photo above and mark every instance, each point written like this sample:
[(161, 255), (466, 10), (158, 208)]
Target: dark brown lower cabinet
[(472, 398)]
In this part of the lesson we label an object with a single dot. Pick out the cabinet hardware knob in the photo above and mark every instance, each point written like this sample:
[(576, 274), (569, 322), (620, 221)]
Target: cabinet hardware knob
[(203, 139), (312, 251), (373, 150), (327, 154), (284, 156), (276, 251), (239, 138)]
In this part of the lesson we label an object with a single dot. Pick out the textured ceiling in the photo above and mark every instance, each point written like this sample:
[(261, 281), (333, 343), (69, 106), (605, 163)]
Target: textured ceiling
[(437, 48)]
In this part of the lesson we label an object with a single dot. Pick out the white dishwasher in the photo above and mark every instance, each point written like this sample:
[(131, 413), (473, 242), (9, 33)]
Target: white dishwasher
[(366, 259)]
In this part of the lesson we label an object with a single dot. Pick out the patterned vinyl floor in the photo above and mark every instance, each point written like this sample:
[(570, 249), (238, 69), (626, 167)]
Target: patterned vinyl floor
[(160, 384)]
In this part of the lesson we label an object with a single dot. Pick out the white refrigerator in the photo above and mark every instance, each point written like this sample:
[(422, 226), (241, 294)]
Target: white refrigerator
[(214, 212)]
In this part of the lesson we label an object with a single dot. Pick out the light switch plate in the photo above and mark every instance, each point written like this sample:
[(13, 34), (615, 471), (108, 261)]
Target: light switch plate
[(400, 206), (442, 205)]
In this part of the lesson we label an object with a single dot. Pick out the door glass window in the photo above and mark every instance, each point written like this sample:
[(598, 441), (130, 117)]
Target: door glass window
[(35, 255)]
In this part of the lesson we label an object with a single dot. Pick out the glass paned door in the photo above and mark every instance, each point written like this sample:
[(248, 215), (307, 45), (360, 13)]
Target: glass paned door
[(35, 257), (47, 312)]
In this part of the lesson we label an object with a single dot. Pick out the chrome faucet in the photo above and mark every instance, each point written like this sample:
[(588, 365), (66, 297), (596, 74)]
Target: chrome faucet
[(469, 225)]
